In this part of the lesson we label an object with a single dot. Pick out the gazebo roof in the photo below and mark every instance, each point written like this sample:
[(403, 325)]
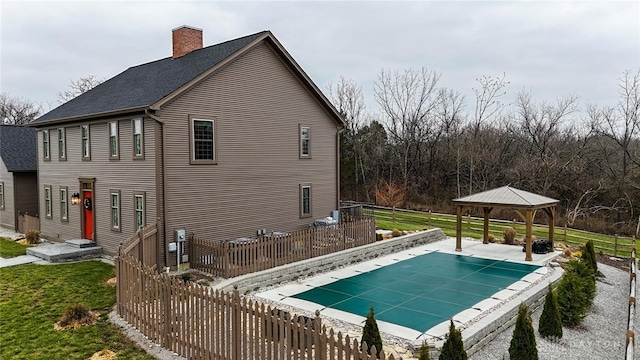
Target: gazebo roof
[(507, 197)]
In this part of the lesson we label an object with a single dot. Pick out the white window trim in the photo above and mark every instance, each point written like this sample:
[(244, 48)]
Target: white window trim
[(301, 141), (64, 204), (137, 195), (86, 155), (302, 188), (48, 206), (62, 144), (118, 206), (46, 145), (141, 134), (116, 146), (192, 142)]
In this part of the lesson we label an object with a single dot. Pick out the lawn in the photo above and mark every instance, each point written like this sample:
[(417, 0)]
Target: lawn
[(10, 248), (473, 227), (32, 299)]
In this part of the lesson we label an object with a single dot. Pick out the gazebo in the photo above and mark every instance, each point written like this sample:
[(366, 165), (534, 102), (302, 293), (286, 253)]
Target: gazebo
[(524, 203)]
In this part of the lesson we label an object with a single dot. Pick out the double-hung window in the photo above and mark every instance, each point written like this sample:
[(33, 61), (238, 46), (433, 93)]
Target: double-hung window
[(115, 210), (1, 195), (203, 145), (305, 200), (47, 201), (138, 145), (62, 144), (46, 147), (305, 141), (86, 142), (138, 201), (64, 208), (114, 152)]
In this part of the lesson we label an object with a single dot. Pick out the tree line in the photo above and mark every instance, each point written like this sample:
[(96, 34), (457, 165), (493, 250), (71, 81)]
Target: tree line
[(424, 145)]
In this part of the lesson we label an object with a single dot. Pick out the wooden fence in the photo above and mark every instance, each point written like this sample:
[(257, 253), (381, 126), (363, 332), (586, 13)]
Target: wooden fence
[(144, 245), (27, 222), (614, 245), (630, 336), (238, 257), (197, 322)]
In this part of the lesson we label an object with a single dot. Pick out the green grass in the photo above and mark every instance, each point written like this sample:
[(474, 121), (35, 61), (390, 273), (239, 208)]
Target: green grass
[(32, 299), (411, 221), (10, 248)]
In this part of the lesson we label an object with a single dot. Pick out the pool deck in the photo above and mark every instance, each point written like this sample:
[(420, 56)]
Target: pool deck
[(476, 322)]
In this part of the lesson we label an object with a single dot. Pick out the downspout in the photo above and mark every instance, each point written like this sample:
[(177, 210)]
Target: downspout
[(164, 184), (340, 130)]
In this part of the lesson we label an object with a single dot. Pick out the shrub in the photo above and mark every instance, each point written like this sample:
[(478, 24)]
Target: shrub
[(396, 233), (589, 256), (371, 334), (32, 237), (523, 343), (550, 321), (567, 252), (424, 351), (491, 238), (576, 291), (76, 315), (577, 254), (453, 348), (509, 235), (379, 237)]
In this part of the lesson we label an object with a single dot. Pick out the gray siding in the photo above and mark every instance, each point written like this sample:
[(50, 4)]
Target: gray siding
[(125, 174), (7, 216), (258, 105)]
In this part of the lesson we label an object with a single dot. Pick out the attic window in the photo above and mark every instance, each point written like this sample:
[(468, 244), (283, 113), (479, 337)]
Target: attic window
[(203, 144)]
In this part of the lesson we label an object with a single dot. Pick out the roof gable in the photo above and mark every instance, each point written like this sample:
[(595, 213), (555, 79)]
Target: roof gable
[(18, 148), (153, 84), (507, 196), (141, 86)]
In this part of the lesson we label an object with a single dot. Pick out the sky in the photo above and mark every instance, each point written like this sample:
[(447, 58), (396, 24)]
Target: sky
[(550, 48)]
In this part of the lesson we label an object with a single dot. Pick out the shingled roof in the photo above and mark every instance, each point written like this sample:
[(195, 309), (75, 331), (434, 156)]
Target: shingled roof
[(144, 85), (507, 196), (18, 148)]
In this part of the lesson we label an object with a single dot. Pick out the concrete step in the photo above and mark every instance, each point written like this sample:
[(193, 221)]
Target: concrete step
[(81, 243), (64, 252)]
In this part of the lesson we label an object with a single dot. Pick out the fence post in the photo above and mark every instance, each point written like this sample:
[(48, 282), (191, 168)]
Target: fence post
[(615, 245), (429, 217), (321, 348), (565, 234), (236, 330)]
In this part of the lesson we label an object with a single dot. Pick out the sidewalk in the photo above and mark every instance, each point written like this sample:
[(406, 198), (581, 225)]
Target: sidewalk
[(18, 260)]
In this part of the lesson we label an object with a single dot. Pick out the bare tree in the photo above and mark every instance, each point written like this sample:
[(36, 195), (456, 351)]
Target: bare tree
[(408, 100), (347, 97), (77, 87), (621, 125), (14, 110), (488, 106)]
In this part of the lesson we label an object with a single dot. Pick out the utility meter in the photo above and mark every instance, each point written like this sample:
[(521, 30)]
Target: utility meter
[(180, 235)]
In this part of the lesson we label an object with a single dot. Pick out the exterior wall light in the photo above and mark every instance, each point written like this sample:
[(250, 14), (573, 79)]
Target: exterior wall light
[(75, 199)]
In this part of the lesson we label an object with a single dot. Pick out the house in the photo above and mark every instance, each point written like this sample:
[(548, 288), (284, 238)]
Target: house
[(223, 141), (18, 176)]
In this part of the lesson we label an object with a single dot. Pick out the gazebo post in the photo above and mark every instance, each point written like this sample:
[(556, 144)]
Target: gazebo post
[(486, 211), (552, 221), (529, 221), (459, 228)]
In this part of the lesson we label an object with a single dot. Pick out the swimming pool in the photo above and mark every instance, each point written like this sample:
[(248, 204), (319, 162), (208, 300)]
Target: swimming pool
[(422, 291)]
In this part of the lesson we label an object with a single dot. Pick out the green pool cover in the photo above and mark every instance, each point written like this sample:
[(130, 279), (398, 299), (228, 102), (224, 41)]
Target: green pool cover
[(420, 292)]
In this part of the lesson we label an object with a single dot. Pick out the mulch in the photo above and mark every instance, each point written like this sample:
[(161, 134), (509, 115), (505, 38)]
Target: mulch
[(617, 262)]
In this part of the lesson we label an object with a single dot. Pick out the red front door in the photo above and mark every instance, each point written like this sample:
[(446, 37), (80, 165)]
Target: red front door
[(87, 208)]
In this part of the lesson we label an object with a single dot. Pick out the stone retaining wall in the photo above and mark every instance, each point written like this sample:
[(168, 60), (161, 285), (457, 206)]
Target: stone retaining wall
[(291, 272)]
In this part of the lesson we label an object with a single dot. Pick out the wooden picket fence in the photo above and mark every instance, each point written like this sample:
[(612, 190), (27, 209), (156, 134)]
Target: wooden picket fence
[(27, 222), (144, 245), (630, 336), (232, 258), (198, 322)]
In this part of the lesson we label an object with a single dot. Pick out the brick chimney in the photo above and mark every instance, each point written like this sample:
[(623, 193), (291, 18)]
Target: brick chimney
[(185, 40)]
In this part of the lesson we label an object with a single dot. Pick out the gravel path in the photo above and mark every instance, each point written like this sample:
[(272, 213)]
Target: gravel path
[(601, 335)]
